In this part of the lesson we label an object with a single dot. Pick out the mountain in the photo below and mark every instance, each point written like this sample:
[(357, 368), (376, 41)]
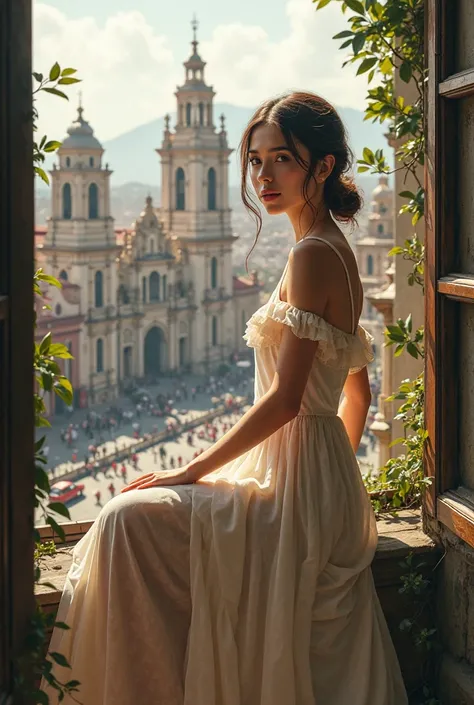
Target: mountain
[(132, 155)]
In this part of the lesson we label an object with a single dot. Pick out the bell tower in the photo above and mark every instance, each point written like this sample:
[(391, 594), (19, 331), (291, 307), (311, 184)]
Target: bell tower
[(80, 248), (195, 159)]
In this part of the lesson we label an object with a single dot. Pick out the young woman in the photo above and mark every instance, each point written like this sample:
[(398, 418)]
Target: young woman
[(244, 578)]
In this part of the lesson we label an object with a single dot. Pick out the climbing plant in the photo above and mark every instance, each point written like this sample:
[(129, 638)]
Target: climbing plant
[(382, 39), (32, 665)]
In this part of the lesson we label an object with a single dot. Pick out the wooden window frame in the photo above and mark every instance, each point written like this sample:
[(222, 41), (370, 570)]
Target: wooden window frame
[(16, 337), (446, 287)]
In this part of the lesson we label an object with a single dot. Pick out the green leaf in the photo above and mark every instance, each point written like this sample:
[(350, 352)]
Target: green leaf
[(45, 343), (68, 72), (59, 508), (358, 42), (386, 66), (343, 35), (38, 76), (68, 81), (406, 71), (61, 351), (55, 91), (356, 6), (60, 659), (54, 72), (368, 155), (62, 625), (366, 65), (322, 3), (52, 146), (56, 527), (41, 173)]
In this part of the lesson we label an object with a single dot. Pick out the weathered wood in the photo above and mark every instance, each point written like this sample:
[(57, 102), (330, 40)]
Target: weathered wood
[(459, 85), (459, 287), (16, 334)]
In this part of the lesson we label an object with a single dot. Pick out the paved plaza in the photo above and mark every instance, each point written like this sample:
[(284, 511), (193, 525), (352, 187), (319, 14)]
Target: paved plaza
[(64, 457)]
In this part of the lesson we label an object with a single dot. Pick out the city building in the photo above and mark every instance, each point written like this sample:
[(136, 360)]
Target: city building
[(160, 297), (371, 250)]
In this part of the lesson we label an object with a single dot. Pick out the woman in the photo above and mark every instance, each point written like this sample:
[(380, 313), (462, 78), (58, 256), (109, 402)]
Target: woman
[(244, 578)]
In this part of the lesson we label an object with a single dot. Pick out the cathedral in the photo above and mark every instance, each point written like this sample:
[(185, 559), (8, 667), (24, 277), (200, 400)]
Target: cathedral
[(159, 297)]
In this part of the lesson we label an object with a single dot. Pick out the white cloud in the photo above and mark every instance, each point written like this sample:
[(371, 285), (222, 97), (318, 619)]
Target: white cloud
[(130, 72), (245, 67)]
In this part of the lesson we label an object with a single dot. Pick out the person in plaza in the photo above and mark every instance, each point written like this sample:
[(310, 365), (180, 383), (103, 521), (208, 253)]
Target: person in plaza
[(244, 577)]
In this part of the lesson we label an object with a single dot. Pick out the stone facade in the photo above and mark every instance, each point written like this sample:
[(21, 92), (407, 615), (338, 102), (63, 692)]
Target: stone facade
[(159, 297)]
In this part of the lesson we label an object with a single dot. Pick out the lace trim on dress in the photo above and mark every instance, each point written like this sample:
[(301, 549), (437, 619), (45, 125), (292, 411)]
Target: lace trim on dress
[(336, 348)]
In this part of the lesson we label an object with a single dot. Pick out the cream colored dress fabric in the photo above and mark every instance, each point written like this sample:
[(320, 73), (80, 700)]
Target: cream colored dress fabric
[(252, 586)]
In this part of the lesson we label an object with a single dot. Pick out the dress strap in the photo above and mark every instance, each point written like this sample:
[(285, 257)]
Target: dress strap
[(315, 237)]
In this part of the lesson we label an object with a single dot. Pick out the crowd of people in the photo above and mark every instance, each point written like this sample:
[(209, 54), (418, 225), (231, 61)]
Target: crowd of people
[(101, 429)]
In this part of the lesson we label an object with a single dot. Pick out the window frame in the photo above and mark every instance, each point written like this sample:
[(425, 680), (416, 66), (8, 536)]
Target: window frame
[(16, 336), (446, 288)]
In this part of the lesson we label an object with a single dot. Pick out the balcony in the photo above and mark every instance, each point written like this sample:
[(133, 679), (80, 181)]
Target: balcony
[(216, 294), (104, 313)]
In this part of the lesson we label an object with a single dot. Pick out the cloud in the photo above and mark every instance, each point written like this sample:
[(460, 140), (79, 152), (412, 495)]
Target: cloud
[(118, 63), (246, 67), (130, 71)]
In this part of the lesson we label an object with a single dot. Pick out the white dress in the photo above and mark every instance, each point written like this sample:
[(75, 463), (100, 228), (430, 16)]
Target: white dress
[(252, 586)]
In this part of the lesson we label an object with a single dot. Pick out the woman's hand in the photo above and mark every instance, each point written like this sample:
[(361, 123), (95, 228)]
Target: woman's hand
[(160, 478)]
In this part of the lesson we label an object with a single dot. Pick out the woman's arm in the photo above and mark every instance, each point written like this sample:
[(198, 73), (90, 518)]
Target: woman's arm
[(355, 405), (265, 417)]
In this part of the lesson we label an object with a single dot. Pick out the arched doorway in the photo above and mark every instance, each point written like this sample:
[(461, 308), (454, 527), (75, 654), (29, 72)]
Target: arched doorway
[(127, 361), (154, 352), (182, 351)]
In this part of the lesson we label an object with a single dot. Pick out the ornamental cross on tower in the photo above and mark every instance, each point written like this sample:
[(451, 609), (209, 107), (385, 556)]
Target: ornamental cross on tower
[(195, 25)]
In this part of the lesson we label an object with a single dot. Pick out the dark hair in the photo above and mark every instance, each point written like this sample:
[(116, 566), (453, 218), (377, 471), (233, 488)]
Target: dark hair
[(309, 119)]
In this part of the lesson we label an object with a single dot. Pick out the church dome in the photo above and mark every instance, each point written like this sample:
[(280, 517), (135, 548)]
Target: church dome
[(382, 191), (147, 217), (80, 134)]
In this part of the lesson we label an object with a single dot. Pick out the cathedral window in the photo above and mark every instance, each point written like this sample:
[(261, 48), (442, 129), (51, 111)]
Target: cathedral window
[(67, 202), (144, 290), (180, 199), (214, 273), (189, 108), (63, 275), (99, 355), (93, 201), (211, 189), (201, 113), (152, 244), (214, 330), (68, 161), (370, 265), (165, 286), (91, 161), (154, 286), (123, 294), (380, 229), (99, 289)]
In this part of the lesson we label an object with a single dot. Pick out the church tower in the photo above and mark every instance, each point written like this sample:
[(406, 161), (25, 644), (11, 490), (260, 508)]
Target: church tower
[(372, 254), (194, 160), (195, 207), (80, 248)]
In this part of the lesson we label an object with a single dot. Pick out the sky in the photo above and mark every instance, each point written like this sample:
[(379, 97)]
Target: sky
[(129, 55)]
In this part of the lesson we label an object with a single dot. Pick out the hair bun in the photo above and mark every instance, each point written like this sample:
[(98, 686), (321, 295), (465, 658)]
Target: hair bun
[(342, 198)]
